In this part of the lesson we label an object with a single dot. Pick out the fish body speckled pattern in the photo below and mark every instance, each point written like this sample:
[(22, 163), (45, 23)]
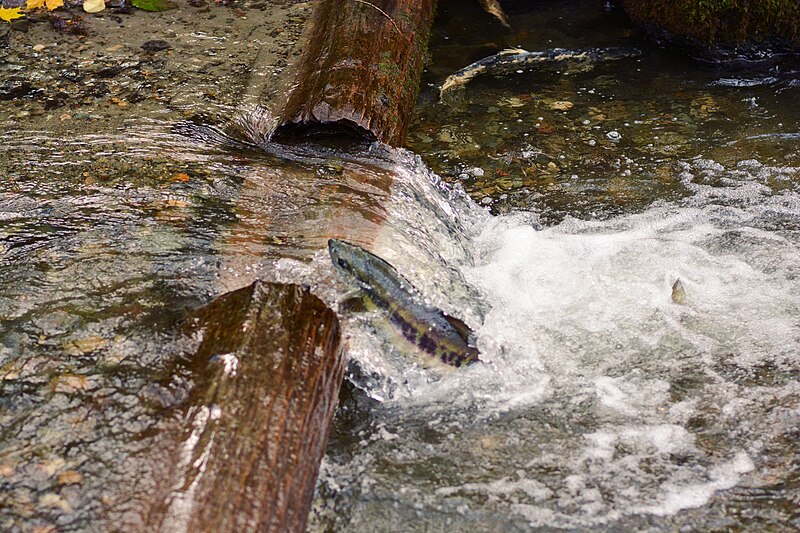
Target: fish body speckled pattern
[(430, 329), (515, 59)]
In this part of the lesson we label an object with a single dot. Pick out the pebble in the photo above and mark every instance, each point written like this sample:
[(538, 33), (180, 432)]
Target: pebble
[(614, 135), (84, 345), (70, 477), (156, 45), (54, 501), (445, 136), (562, 105), (52, 466), (70, 384)]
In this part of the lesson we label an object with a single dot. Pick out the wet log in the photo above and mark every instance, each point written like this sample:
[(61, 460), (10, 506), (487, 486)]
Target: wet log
[(269, 368), (361, 69)]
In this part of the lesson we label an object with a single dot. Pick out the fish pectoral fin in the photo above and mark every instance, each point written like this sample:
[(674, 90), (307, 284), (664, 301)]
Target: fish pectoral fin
[(511, 51), (352, 302), (463, 330)]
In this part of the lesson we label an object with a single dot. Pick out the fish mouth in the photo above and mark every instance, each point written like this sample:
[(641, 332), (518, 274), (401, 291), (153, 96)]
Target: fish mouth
[(333, 246)]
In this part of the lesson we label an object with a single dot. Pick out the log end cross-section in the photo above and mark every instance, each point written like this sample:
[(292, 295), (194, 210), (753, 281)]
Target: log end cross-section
[(361, 69)]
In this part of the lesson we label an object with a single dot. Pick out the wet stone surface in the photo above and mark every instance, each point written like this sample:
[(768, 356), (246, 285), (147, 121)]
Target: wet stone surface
[(107, 224)]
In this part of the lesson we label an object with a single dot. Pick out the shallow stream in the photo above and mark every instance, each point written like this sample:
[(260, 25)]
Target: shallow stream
[(600, 404)]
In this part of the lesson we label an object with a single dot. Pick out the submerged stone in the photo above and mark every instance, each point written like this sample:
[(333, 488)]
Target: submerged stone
[(156, 45)]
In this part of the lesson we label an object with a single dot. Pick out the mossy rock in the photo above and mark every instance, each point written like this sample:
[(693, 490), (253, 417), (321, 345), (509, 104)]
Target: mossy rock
[(721, 28)]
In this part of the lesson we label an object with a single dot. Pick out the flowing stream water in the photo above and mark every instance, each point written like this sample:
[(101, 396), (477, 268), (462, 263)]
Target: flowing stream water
[(600, 402)]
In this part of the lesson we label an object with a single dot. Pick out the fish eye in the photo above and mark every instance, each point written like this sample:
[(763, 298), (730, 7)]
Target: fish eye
[(342, 262)]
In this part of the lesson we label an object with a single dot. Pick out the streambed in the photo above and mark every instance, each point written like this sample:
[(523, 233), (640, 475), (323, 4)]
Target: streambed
[(601, 402)]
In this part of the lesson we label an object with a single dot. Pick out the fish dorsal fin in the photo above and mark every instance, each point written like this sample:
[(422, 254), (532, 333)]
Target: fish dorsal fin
[(511, 51), (463, 330)]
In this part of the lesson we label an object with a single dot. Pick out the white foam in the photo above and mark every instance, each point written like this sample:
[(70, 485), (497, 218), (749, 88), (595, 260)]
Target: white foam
[(678, 496), (588, 361)]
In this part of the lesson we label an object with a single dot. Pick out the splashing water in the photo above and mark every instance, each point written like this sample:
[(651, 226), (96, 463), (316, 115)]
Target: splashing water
[(602, 400)]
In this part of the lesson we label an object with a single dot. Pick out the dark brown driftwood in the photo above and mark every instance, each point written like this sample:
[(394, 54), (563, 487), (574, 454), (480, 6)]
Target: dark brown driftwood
[(361, 68), (269, 368)]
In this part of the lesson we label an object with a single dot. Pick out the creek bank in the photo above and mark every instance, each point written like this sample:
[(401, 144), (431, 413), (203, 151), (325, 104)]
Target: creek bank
[(163, 66), (721, 29)]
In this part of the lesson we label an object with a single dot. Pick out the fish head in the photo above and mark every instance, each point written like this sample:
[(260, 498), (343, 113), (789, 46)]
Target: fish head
[(348, 258), (341, 254), (368, 270)]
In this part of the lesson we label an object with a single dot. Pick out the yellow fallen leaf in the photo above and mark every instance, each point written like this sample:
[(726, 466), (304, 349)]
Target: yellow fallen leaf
[(33, 4), (52, 4), (94, 6), (9, 14)]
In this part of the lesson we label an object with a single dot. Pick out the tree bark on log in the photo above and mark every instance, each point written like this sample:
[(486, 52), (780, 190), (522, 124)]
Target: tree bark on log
[(269, 369), (269, 366), (361, 69)]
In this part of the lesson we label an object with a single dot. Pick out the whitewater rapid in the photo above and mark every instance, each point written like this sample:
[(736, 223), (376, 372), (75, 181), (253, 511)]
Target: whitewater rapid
[(600, 398)]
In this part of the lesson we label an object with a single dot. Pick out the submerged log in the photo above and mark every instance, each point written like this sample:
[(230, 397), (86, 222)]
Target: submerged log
[(361, 69), (270, 367)]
